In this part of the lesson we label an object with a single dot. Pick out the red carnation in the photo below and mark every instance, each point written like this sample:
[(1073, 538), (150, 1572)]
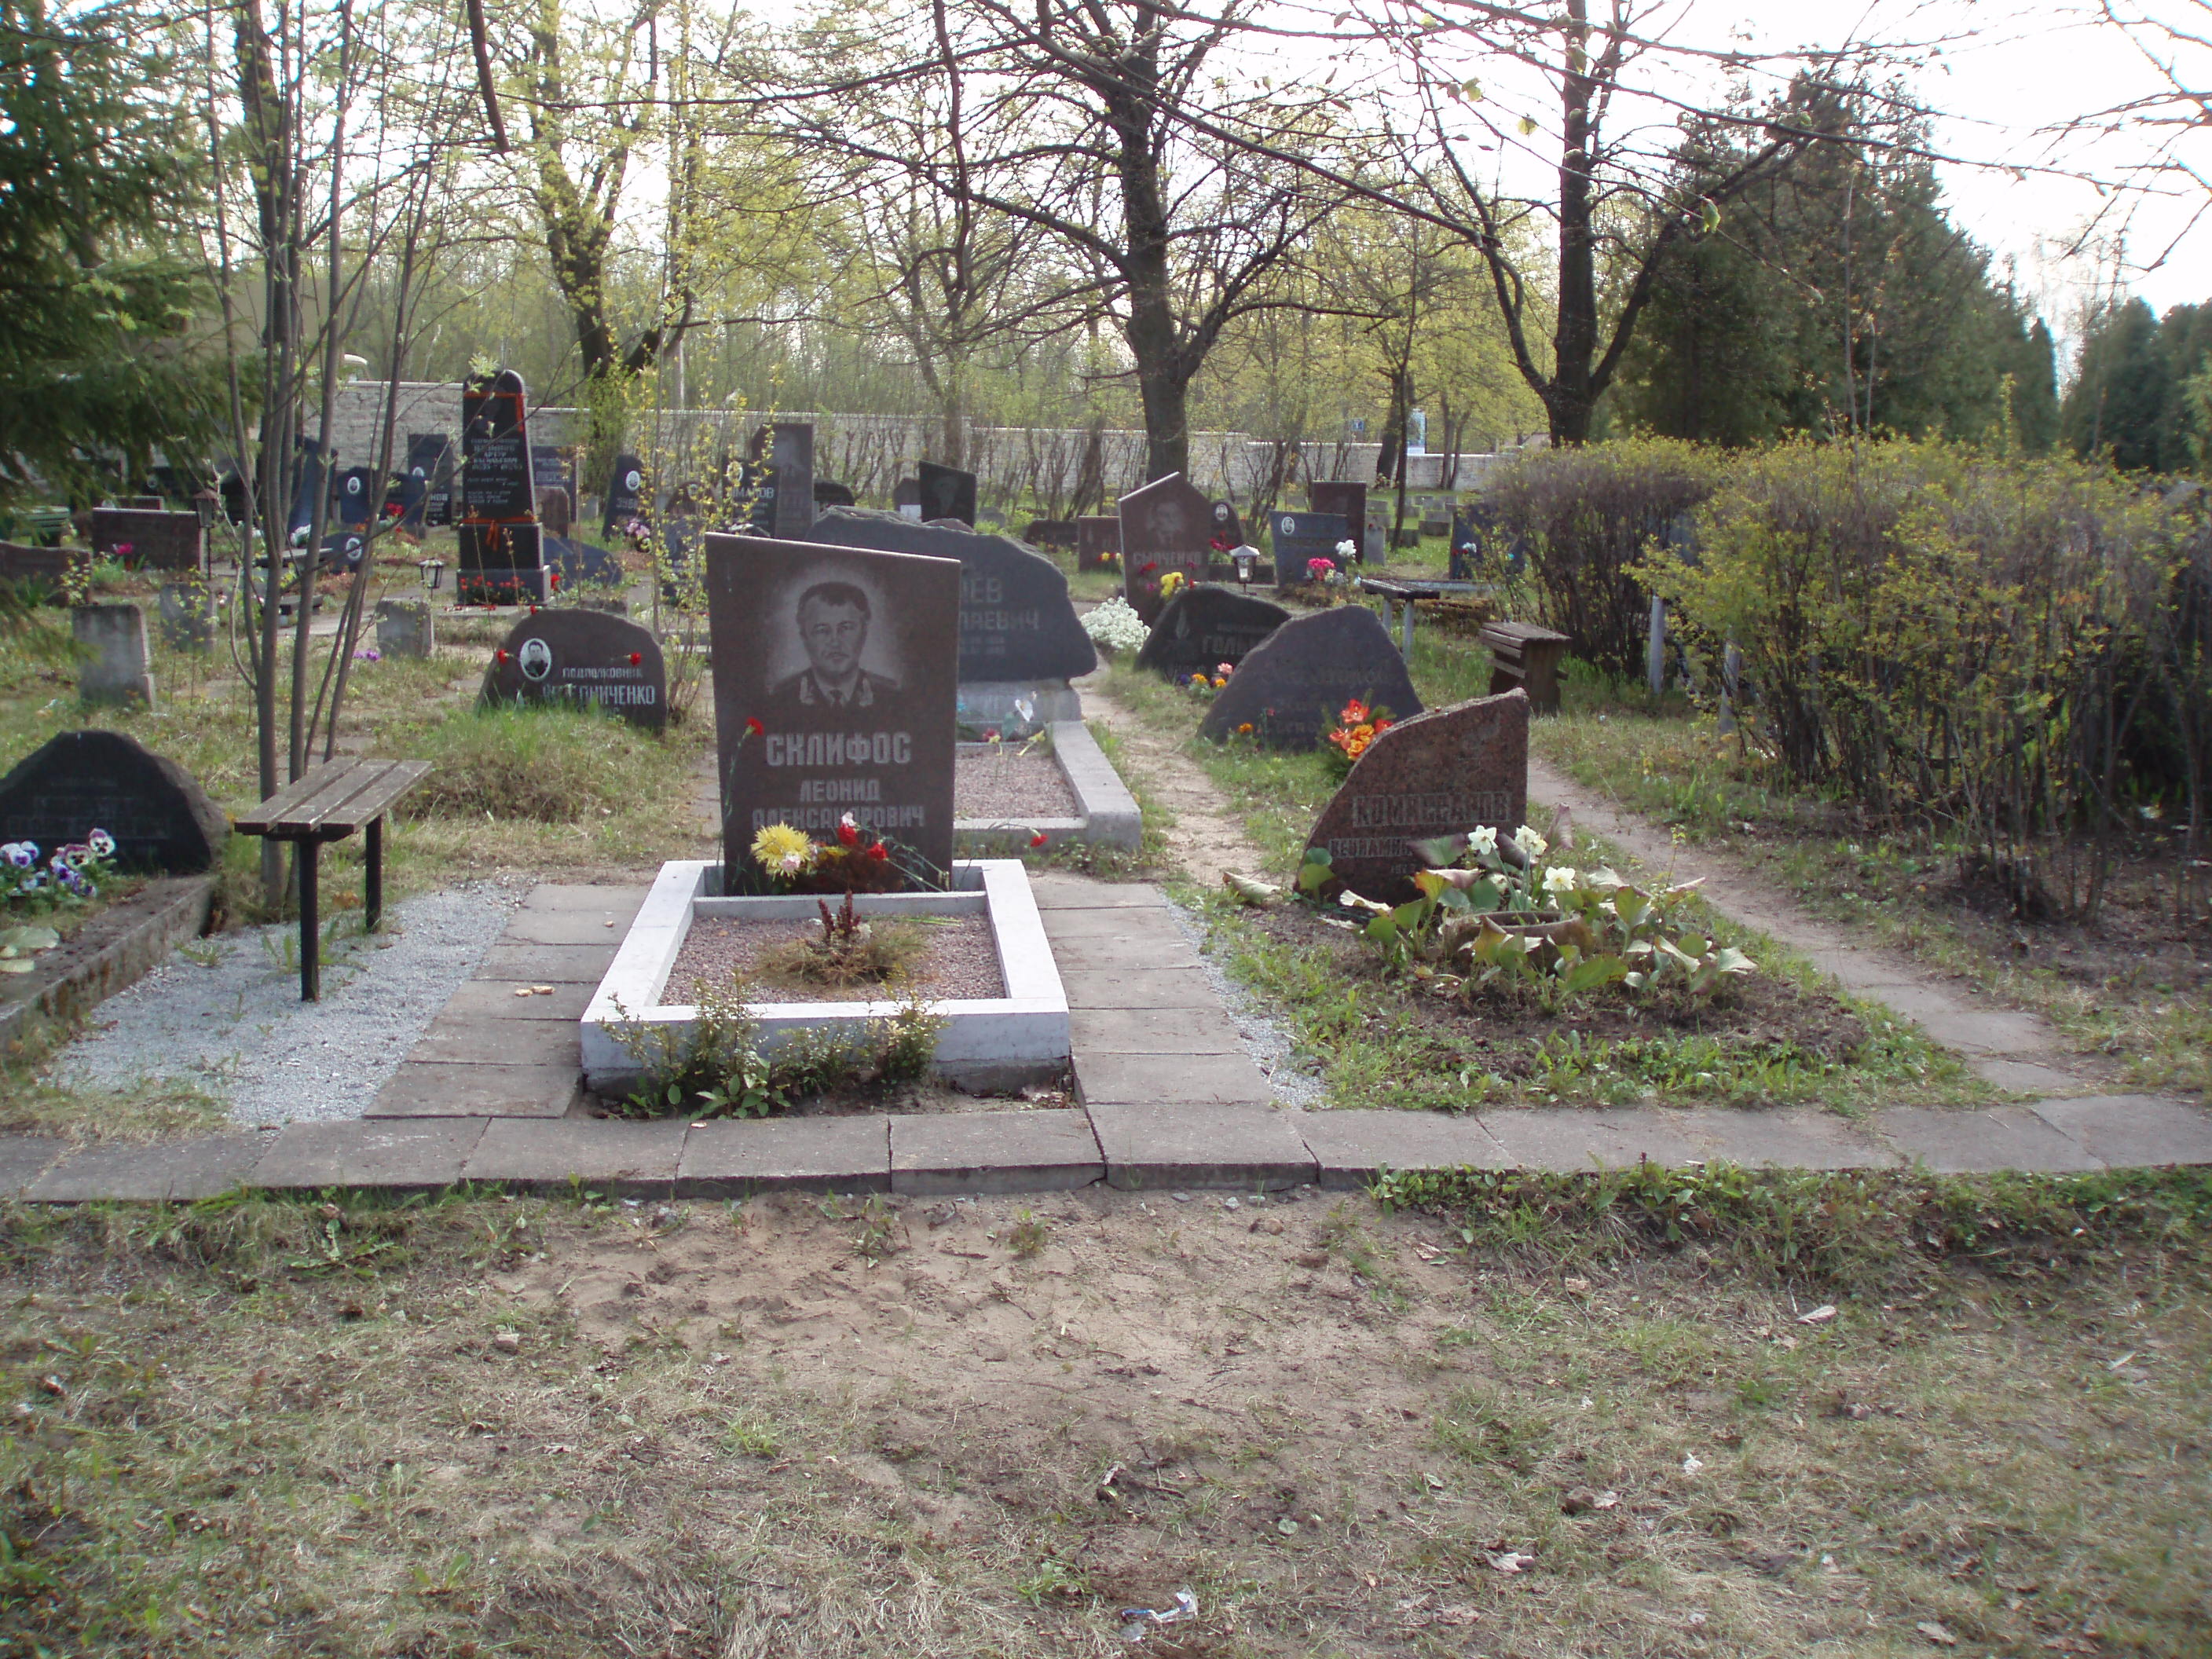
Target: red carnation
[(879, 853), (636, 658), (503, 656), (754, 728), (847, 831), (1038, 839)]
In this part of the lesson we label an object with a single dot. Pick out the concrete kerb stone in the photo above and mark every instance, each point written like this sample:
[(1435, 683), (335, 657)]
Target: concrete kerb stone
[(733, 1159), (1111, 816), (941, 1152), (24, 1158), (422, 1155), (1787, 1138), (622, 1159), (1976, 1142), (2132, 1131), (1586, 1140), (445, 1088), (1166, 1147), (179, 1172), (1351, 1147)]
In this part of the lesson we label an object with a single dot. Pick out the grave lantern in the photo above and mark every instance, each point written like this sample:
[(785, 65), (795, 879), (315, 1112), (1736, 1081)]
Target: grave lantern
[(434, 573), (1246, 557)]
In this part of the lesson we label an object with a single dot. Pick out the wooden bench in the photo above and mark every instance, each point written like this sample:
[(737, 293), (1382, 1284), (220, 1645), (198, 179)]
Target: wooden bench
[(329, 804), (1399, 595), (1523, 654)]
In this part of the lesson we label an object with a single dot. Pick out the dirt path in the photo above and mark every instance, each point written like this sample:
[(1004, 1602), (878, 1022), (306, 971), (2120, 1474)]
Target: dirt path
[(1205, 839), (2010, 1048)]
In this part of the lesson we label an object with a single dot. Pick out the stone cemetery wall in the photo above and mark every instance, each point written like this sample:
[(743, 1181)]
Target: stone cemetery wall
[(835, 685), (1439, 774), (1291, 687), (162, 821)]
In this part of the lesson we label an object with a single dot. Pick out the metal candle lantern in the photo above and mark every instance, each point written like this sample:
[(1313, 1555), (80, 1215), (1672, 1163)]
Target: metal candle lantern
[(434, 574)]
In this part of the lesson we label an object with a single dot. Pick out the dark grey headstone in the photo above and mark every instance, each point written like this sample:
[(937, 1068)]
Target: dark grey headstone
[(857, 717), (1203, 627), (1050, 533), (501, 564), (496, 479), (552, 467), (580, 562), (1345, 498), (1295, 683), (791, 454), (427, 495), (1167, 526), (1302, 537), (1439, 774), (150, 539), (947, 492), (162, 821), (828, 492), (625, 495), (188, 616), (309, 487), (1228, 527), (1016, 621), (1097, 534), (906, 497), (353, 503), (585, 658)]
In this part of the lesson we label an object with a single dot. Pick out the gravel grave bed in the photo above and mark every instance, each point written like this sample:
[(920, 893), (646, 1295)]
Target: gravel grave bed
[(958, 961), (989, 782)]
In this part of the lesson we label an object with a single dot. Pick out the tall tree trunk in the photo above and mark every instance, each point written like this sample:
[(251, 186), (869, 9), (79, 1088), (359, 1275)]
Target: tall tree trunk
[(1568, 399)]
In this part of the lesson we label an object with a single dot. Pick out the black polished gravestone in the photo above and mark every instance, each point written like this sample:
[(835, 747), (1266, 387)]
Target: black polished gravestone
[(1097, 541), (1016, 620), (1300, 539), (1166, 527), (906, 498), (353, 504), (791, 456), (1292, 687), (150, 540), (496, 480), (1203, 627), (1050, 533), (1440, 773), (580, 562), (552, 467), (625, 495), (828, 492), (947, 492), (581, 658), (836, 691), (162, 821), (1228, 528), (1347, 500), (426, 493)]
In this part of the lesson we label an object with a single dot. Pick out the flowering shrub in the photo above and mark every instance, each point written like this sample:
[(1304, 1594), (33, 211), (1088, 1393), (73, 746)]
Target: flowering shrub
[(71, 875), (1115, 625), (1358, 726)]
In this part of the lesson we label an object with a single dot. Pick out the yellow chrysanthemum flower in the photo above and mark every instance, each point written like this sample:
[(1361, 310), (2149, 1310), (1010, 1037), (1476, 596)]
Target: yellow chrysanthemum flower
[(782, 850)]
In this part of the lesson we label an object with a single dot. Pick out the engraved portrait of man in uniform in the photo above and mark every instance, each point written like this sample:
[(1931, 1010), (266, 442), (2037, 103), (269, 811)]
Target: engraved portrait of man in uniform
[(832, 619)]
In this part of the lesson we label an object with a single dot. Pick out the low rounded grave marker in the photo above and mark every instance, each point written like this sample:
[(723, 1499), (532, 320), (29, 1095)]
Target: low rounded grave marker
[(583, 658)]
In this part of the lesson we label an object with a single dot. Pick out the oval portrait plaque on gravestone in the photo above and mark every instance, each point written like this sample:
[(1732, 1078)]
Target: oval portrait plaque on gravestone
[(162, 821), (1203, 627), (1291, 687), (1440, 773), (587, 658), (835, 691)]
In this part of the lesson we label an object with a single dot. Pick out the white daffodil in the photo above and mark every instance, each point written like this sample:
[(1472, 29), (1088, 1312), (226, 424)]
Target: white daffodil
[(1530, 843), (1484, 839), (1560, 879)]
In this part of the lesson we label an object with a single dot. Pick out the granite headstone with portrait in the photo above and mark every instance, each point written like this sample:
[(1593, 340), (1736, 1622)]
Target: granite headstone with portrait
[(1443, 772), (581, 658), (945, 492), (1294, 684), (625, 495), (1017, 622), (1167, 529), (1299, 539), (1204, 628), (836, 687), (162, 821)]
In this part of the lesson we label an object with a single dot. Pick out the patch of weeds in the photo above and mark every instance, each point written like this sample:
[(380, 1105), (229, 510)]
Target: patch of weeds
[(1053, 1579), (750, 1434), (880, 1232), (1860, 1229), (1029, 1235), (1478, 1425), (541, 764), (145, 1110), (850, 950)]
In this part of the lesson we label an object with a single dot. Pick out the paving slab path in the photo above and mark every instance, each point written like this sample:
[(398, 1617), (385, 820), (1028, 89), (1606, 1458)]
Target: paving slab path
[(2013, 1050)]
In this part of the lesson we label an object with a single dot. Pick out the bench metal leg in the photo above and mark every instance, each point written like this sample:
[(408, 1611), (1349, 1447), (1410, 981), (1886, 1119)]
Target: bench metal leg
[(311, 932), (373, 879)]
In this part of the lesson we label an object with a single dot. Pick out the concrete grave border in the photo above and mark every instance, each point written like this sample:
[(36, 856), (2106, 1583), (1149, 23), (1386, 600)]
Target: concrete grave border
[(114, 950), (993, 1043), (1106, 813)]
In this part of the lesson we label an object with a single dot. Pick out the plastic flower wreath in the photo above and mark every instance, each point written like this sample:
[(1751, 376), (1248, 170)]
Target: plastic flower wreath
[(1357, 726), (1173, 583)]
